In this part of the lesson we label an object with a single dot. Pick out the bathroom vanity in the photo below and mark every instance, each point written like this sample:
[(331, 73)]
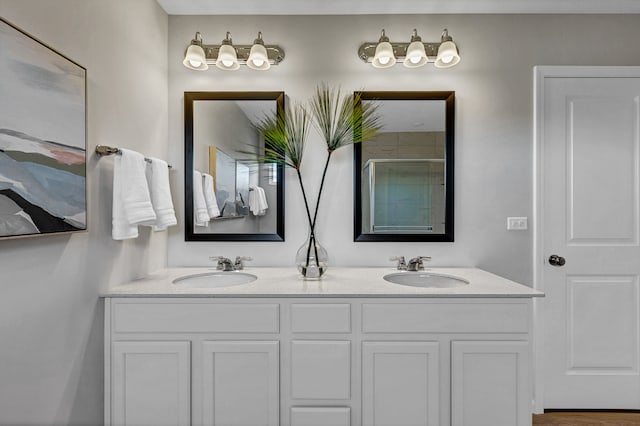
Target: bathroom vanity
[(350, 349)]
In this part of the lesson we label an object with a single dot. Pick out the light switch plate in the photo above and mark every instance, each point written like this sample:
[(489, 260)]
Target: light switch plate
[(517, 223)]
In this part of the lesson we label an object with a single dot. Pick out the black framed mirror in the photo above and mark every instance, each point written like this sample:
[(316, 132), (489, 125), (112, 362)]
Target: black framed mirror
[(229, 196), (404, 178)]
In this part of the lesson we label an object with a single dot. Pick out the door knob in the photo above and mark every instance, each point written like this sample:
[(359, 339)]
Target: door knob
[(556, 260)]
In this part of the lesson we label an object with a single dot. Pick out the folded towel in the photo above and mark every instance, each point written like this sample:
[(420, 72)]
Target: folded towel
[(200, 214), (158, 180), (131, 199), (210, 196), (257, 201)]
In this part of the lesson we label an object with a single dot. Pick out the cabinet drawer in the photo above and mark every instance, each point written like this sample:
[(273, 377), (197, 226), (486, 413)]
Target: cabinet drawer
[(321, 318), (184, 317), (320, 416), (445, 317)]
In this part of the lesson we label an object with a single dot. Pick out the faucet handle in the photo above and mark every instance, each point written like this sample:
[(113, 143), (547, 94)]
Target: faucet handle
[(402, 265), (239, 265), (415, 264)]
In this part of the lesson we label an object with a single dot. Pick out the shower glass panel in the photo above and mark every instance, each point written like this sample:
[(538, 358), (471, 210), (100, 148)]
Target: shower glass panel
[(403, 196)]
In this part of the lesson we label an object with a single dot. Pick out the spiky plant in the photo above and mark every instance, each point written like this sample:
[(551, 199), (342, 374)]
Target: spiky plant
[(285, 136), (342, 120), (285, 139)]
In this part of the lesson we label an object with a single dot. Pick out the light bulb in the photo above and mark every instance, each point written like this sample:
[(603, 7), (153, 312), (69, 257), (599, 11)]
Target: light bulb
[(448, 55), (194, 57), (227, 59), (416, 55), (384, 56), (258, 57)]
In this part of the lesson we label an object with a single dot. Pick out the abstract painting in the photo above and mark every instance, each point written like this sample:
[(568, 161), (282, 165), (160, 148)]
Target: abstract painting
[(42, 138)]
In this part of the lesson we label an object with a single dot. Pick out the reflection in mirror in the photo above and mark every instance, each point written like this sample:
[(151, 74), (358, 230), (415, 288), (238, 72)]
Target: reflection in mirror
[(230, 197), (404, 177), (231, 181)]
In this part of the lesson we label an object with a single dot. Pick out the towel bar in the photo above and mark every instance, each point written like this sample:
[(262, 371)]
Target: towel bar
[(102, 150)]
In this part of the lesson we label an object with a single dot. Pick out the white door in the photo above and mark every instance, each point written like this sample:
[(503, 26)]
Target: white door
[(587, 150)]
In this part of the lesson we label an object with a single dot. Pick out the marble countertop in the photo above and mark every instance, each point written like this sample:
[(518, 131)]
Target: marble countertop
[(337, 282)]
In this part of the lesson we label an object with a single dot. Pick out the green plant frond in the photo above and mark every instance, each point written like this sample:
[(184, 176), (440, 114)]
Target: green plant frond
[(285, 137), (339, 121), (369, 121)]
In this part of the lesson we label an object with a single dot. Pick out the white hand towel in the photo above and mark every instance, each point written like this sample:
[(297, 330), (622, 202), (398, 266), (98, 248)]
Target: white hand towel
[(258, 201), (158, 180), (210, 196), (200, 215), (131, 199), (263, 200)]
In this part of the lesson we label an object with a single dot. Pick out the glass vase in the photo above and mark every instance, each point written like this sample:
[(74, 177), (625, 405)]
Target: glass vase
[(312, 259)]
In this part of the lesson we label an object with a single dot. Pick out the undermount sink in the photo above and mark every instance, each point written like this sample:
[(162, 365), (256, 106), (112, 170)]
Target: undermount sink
[(216, 279), (425, 280)]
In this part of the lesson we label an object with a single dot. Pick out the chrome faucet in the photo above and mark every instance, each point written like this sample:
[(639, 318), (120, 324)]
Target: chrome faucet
[(416, 264), (226, 264)]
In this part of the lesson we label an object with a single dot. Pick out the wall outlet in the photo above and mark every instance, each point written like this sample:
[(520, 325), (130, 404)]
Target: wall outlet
[(517, 223)]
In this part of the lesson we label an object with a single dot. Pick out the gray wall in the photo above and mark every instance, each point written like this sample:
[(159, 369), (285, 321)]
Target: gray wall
[(51, 338), (493, 85)]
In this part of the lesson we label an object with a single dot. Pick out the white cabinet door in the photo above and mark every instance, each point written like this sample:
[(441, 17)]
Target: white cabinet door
[(490, 383), (151, 384), (400, 383), (240, 383)]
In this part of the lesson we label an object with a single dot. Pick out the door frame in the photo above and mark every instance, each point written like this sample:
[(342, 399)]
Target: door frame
[(540, 73)]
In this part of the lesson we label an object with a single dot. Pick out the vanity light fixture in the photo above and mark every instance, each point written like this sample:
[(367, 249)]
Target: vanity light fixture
[(416, 53), (229, 57)]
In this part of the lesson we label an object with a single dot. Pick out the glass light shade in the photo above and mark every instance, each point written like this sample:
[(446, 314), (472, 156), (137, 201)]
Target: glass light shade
[(384, 57), (447, 55), (258, 59), (416, 56), (227, 58), (195, 59)]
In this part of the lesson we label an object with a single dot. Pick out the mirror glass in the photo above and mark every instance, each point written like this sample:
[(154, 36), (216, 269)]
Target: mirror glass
[(229, 195), (404, 177)]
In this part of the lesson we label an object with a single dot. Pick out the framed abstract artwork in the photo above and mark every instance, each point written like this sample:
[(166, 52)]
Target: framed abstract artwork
[(43, 138)]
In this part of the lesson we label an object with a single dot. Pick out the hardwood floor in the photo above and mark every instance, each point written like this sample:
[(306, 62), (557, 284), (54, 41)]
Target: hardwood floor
[(587, 419)]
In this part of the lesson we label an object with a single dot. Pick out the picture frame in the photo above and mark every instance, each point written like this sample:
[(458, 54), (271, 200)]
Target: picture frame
[(43, 138)]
